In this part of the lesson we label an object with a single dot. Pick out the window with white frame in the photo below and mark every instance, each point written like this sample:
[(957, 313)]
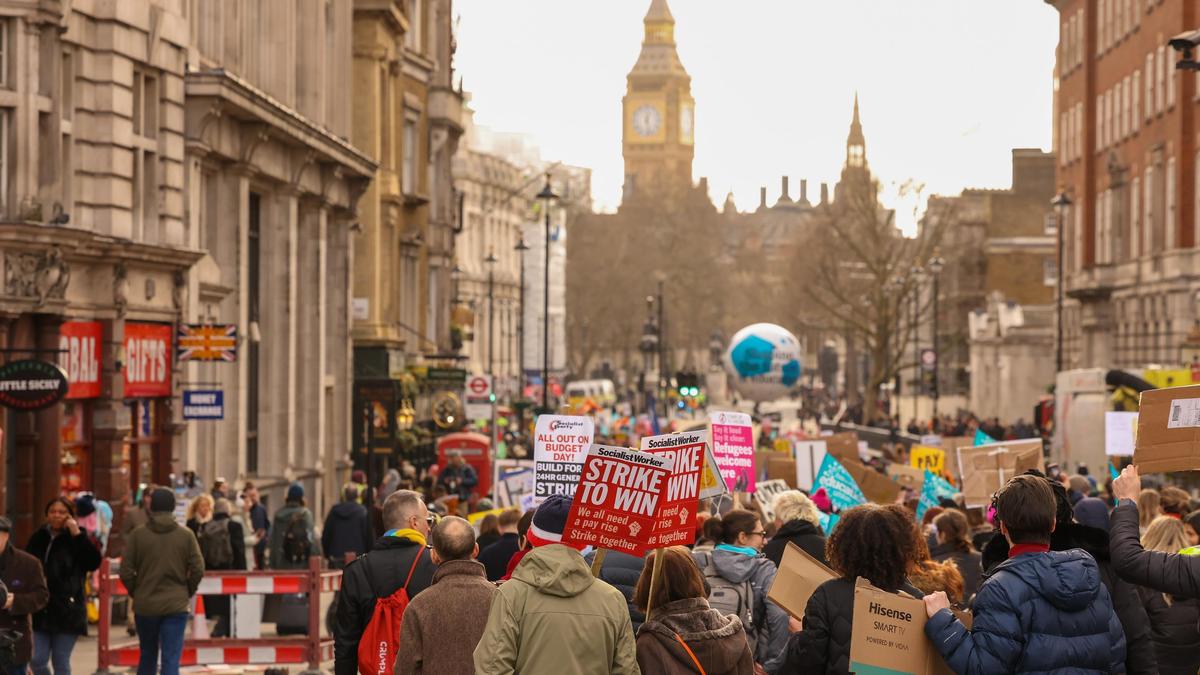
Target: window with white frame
[(1170, 75), (67, 112), (1149, 86), (1102, 42), (1126, 122), (6, 39), (408, 177), (145, 159), (1169, 221), (1049, 272), (1079, 38), (1099, 123), (1050, 223), (1077, 238), (1148, 224), (1135, 216), (1079, 130), (1136, 103), (1063, 138), (1160, 87)]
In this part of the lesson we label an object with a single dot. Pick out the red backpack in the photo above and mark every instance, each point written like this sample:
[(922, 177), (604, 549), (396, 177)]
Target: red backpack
[(381, 638)]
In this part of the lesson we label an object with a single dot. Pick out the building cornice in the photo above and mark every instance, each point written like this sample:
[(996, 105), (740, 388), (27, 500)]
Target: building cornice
[(86, 245)]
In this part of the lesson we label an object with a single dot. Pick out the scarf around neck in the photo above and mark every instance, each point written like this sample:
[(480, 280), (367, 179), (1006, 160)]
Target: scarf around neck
[(407, 533)]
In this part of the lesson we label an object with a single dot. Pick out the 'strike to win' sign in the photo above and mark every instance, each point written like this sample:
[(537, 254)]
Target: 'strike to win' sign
[(617, 500)]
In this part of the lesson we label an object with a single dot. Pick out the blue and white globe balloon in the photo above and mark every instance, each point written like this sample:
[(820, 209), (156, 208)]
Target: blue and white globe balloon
[(764, 361)]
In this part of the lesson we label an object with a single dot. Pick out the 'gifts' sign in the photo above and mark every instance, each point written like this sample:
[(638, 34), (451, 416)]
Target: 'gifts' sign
[(147, 360), (79, 342), (618, 500)]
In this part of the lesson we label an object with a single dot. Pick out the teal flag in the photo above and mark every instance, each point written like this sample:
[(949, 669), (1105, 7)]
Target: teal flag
[(839, 484), (932, 492), (1112, 471), (828, 521), (982, 438)]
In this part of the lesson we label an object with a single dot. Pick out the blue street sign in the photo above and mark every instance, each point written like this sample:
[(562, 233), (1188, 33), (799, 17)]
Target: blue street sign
[(204, 404)]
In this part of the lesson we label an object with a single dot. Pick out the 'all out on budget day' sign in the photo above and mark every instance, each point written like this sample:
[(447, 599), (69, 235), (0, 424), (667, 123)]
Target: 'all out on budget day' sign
[(560, 446), (675, 524), (733, 446), (619, 497)]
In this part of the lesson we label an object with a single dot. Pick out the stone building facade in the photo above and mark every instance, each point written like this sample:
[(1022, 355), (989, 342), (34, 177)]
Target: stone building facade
[(993, 241), (407, 117), (162, 165), (1125, 132)]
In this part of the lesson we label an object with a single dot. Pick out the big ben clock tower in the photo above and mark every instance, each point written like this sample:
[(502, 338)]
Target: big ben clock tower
[(659, 116)]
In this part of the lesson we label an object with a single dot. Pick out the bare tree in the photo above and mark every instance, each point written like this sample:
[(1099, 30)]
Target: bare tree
[(865, 278)]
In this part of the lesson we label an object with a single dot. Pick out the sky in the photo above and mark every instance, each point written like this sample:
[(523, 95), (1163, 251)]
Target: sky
[(947, 88)]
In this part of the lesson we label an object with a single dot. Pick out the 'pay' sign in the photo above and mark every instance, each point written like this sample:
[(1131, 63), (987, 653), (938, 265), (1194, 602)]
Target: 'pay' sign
[(924, 457)]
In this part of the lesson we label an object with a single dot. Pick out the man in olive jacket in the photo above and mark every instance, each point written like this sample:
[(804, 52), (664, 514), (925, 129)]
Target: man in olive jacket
[(162, 569), (553, 616)]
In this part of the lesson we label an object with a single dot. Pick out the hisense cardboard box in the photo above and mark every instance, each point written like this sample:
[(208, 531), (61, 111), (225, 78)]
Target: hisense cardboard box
[(888, 635), (907, 476), (1168, 430), (798, 577)]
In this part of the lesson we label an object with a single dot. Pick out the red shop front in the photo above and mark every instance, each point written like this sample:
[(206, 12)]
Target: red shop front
[(79, 344), (146, 454)]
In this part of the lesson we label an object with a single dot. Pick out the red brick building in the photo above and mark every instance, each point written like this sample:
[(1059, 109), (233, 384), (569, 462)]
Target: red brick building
[(1125, 130)]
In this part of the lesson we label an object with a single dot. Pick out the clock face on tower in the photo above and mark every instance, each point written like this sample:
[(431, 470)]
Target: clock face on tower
[(685, 122), (646, 120)]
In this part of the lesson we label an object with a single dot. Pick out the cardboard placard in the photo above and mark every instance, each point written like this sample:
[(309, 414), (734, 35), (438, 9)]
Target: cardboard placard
[(906, 476), (560, 446), (512, 480), (765, 494), (843, 445), (781, 468), (984, 469), (675, 523), (1120, 430), (619, 497), (875, 486), (1168, 430), (798, 576), (809, 455), (888, 635), (952, 443), (711, 483)]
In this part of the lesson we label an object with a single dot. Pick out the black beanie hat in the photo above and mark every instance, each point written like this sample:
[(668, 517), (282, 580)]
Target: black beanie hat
[(162, 501)]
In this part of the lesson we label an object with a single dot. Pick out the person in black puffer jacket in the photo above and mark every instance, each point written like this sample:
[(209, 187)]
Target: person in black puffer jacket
[(67, 554), (382, 572), (796, 518), (1139, 648), (621, 571), (878, 543), (1174, 621)]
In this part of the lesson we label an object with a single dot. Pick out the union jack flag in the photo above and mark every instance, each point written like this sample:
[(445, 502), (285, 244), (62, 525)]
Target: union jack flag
[(207, 342)]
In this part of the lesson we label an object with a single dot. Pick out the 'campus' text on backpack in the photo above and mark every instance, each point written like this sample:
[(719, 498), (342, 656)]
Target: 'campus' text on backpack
[(215, 544), (731, 597), (296, 541), (381, 638)]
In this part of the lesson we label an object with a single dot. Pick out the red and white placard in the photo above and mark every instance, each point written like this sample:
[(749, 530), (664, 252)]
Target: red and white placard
[(80, 357), (675, 524), (147, 360), (617, 500)]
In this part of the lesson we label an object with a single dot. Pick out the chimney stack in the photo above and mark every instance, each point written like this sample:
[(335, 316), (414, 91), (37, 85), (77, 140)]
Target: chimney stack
[(784, 196), (803, 190), (762, 197), (824, 193)]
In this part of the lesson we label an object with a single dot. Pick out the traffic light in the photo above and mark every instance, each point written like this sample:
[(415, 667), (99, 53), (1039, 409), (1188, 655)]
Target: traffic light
[(689, 384)]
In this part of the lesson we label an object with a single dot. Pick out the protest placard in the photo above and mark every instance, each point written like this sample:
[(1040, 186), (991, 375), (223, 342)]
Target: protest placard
[(798, 576), (875, 486), (983, 469), (809, 455), (780, 467), (906, 476), (843, 445), (931, 440), (675, 523), (619, 495), (933, 489), (512, 479), (711, 483), (888, 635), (925, 457), (1168, 430), (838, 484), (733, 448), (560, 444), (1119, 430), (766, 493)]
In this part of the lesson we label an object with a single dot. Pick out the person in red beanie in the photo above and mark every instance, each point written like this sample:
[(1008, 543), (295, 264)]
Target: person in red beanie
[(820, 499)]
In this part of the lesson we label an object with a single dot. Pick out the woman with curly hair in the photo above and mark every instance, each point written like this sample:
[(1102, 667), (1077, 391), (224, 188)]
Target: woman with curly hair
[(878, 543)]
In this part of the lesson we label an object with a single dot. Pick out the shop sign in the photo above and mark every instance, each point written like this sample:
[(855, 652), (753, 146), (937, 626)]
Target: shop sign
[(204, 404), (207, 342), (147, 360), (79, 345), (31, 385)]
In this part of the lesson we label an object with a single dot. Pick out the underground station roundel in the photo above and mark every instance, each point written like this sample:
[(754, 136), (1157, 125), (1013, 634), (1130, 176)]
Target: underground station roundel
[(29, 384)]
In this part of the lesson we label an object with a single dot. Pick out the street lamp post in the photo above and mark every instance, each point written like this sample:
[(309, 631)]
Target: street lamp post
[(546, 196), (915, 330), (649, 348), (491, 261), (936, 265), (1061, 203), (520, 248)]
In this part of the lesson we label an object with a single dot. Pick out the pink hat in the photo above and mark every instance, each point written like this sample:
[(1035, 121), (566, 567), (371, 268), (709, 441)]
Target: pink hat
[(821, 500)]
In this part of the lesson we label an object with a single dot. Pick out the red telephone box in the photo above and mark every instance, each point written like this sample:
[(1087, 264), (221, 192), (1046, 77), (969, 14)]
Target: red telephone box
[(476, 451)]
